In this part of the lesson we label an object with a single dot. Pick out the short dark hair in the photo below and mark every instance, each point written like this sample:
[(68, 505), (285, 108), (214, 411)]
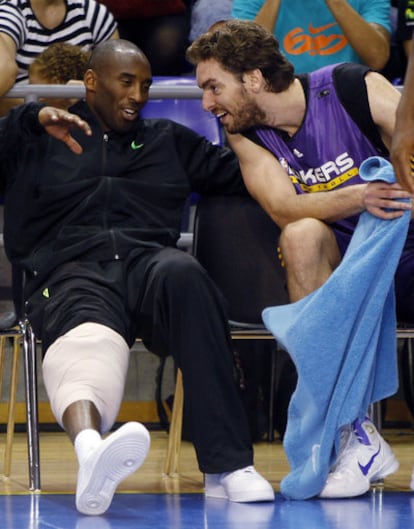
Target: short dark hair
[(104, 52), (240, 46)]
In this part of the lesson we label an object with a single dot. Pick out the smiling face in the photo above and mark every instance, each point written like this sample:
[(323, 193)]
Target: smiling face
[(228, 98), (118, 89)]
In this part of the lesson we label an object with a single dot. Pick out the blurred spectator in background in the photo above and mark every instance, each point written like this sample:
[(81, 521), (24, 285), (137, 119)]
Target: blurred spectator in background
[(395, 68), (205, 13), (405, 23), (60, 63), (28, 28), (159, 27), (324, 31)]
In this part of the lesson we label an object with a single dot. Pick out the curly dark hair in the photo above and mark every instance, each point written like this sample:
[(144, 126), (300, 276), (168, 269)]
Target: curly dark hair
[(241, 46), (61, 62)]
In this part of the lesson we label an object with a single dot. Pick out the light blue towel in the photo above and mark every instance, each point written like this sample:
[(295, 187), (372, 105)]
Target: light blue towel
[(342, 338)]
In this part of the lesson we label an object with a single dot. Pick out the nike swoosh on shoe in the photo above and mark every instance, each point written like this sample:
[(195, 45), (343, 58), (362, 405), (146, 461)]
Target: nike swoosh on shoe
[(366, 468)]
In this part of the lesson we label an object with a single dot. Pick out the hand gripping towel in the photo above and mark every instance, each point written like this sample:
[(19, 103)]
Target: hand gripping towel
[(342, 339)]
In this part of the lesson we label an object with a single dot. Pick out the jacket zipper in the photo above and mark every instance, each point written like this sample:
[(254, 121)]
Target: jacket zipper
[(108, 196)]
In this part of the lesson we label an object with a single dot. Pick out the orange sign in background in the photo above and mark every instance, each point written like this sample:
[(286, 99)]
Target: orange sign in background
[(314, 42)]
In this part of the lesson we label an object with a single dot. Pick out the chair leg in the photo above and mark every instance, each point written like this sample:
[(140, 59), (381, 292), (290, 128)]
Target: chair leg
[(2, 355), (375, 414), (271, 430), (407, 371), (30, 372), (12, 406), (174, 437)]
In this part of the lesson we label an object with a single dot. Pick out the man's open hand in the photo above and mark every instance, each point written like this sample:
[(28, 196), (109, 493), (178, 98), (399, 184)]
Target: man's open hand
[(58, 123)]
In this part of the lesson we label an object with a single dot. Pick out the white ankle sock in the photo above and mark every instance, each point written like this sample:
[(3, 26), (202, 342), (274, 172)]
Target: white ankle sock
[(85, 442)]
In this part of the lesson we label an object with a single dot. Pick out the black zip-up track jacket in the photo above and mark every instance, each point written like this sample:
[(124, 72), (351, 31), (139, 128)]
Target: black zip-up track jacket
[(122, 192)]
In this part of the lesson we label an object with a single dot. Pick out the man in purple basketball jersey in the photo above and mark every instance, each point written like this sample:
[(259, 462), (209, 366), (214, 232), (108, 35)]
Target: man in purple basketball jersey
[(300, 141)]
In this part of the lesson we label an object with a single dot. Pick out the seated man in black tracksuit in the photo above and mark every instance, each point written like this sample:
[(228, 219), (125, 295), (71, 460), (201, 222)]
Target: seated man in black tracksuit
[(94, 228)]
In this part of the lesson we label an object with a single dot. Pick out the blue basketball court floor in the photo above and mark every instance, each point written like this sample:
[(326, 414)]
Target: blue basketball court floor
[(150, 499), (375, 510)]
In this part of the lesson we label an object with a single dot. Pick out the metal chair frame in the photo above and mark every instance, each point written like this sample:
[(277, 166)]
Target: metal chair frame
[(23, 338), (15, 337)]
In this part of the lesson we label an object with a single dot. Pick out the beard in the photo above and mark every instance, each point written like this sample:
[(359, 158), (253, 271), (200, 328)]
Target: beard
[(246, 114)]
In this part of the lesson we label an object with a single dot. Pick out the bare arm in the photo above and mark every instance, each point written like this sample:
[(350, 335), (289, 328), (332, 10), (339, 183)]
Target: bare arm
[(370, 41), (115, 35), (8, 66), (402, 147), (267, 16), (268, 182), (383, 100), (58, 123)]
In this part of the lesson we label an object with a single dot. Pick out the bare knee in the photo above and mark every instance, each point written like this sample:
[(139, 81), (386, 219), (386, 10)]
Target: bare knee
[(310, 253), (303, 241)]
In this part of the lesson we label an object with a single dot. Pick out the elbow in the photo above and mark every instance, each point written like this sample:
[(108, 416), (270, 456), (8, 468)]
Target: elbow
[(379, 60), (279, 219), (379, 52), (9, 74)]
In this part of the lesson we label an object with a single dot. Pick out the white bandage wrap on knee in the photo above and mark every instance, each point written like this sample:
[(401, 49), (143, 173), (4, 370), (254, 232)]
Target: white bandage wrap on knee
[(89, 362)]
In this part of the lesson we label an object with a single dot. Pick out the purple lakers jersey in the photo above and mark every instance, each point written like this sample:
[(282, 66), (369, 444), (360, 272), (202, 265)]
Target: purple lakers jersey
[(327, 150)]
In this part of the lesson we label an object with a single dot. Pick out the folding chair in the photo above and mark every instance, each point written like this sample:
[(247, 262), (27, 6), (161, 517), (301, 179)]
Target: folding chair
[(21, 334), (405, 333), (8, 334)]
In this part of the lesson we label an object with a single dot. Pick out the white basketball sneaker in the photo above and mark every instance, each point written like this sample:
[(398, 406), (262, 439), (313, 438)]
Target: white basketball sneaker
[(243, 485), (115, 458), (364, 457)]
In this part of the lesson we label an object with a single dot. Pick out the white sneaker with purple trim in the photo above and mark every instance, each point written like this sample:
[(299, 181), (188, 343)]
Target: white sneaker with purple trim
[(364, 457)]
